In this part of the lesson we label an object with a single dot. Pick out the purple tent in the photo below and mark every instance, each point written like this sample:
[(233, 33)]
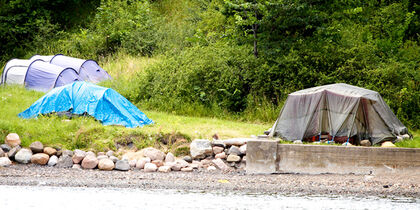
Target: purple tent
[(89, 70), (44, 76)]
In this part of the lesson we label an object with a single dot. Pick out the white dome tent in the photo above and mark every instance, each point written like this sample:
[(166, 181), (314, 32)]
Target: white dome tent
[(14, 71)]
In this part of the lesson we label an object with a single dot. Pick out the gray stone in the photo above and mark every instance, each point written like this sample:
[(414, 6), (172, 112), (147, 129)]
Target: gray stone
[(36, 147), (110, 153), (234, 150), (12, 139), (13, 151), (106, 164), (164, 169), (114, 159), (53, 160), (217, 149), (187, 158), (2, 152), (221, 165), (199, 148), (154, 154), (5, 147), (297, 142), (40, 158), (23, 156), (5, 161), (78, 156), (218, 143), (169, 157), (150, 167), (140, 163), (90, 162), (100, 157), (64, 161), (122, 165), (261, 157), (76, 166), (236, 141), (242, 149), (233, 158), (365, 143), (67, 153)]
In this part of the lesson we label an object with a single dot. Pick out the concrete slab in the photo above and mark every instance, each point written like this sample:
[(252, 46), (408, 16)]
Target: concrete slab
[(261, 156)]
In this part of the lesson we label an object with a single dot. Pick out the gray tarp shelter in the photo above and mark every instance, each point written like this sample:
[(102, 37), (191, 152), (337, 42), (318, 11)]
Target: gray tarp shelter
[(340, 112)]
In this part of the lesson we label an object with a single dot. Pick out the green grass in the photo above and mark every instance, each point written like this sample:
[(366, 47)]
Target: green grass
[(411, 143), (87, 133)]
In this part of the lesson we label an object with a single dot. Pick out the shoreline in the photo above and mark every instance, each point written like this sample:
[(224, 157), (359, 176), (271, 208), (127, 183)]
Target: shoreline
[(384, 185)]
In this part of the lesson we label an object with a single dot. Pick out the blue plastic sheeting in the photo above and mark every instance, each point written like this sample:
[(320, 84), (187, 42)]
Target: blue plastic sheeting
[(88, 70), (104, 104), (43, 76)]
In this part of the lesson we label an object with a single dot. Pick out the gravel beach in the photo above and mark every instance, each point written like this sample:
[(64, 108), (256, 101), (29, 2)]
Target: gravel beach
[(386, 185)]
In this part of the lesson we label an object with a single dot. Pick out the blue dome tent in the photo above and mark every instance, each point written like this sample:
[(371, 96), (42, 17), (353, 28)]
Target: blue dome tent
[(89, 70), (104, 104)]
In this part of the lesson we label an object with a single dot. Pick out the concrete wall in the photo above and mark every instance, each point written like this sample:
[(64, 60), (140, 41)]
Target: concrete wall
[(299, 158)]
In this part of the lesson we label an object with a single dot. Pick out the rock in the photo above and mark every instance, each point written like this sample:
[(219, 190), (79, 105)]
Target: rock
[(90, 153), (113, 158), (347, 144), (218, 150), (182, 163), (13, 151), (243, 159), (122, 165), (388, 144), (12, 139), (365, 143), (164, 169), (59, 153), (150, 167), (133, 155), (5, 161), (235, 141), (233, 158), (67, 153), (169, 157), (36, 147), (218, 143), (53, 160), (158, 163), (140, 163), (187, 158), (153, 154), (40, 158), (297, 142), (205, 163), (5, 147), (50, 151), (110, 153), (100, 157), (199, 148), (211, 168), (405, 136), (221, 155), (78, 156), (233, 150), (2, 152), (76, 166), (175, 166), (221, 165), (106, 164), (242, 150), (187, 169), (89, 162), (194, 165), (23, 156), (132, 163), (101, 153), (65, 161)]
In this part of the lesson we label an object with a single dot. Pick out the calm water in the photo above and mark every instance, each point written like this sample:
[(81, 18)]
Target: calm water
[(24, 197)]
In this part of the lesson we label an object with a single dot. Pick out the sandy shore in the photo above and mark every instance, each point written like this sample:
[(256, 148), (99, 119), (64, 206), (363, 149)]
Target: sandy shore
[(381, 185)]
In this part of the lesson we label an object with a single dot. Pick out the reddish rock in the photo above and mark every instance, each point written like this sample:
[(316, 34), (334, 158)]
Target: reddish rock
[(90, 162), (50, 151), (40, 158), (78, 156)]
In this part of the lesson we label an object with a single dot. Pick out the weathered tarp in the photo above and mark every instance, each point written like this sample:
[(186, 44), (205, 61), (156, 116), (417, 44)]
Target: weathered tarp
[(339, 110), (104, 104)]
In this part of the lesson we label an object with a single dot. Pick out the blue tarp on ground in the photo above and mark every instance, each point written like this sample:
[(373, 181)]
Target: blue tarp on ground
[(104, 104)]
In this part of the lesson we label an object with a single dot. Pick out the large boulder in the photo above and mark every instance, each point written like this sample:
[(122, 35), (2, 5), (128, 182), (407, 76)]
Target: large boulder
[(53, 160), (153, 154), (106, 164), (23, 156), (50, 151), (122, 165), (12, 139), (89, 162), (200, 148), (5, 161), (36, 147), (78, 156), (40, 158)]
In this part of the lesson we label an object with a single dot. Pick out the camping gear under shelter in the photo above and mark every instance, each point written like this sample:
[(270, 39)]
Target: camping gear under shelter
[(337, 112), (89, 70), (80, 98)]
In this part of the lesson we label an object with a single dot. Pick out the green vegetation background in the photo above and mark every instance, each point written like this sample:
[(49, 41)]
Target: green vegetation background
[(230, 59)]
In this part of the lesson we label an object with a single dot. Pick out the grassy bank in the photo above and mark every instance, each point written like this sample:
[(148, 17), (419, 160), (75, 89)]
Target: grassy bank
[(85, 132)]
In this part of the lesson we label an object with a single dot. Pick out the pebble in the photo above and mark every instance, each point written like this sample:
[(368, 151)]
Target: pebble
[(64, 161), (13, 151), (5, 161), (106, 164), (36, 147), (40, 158), (23, 156), (12, 139), (221, 155), (5, 147), (78, 156), (233, 150), (218, 150), (164, 169), (53, 160), (233, 158), (50, 151), (90, 162), (187, 169), (140, 163), (150, 167), (122, 165), (169, 157), (153, 154), (187, 158)]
